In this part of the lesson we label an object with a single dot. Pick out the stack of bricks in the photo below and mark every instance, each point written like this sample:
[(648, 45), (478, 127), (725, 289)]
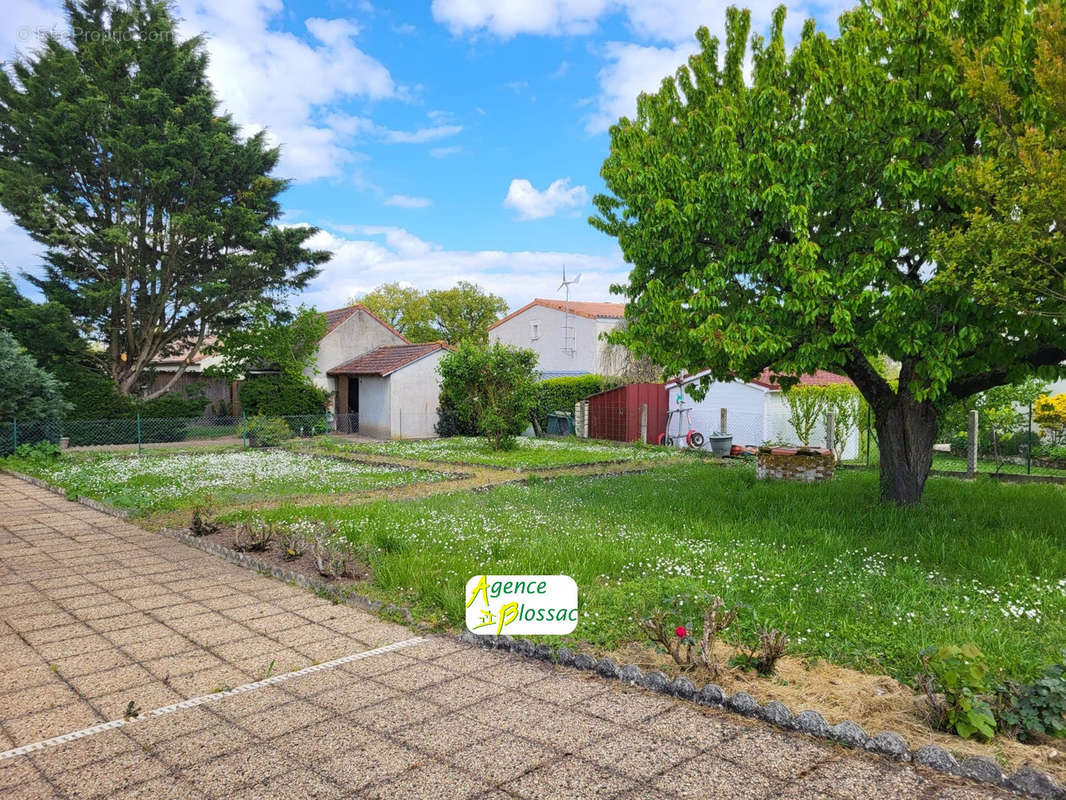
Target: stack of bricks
[(802, 464)]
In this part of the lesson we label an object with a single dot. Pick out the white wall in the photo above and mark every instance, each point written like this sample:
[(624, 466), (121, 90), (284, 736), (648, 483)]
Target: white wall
[(358, 334), (415, 398), (374, 407), (743, 401), (549, 346), (755, 415)]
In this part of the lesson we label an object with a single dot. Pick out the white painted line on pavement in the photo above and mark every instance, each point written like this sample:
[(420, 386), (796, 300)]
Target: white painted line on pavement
[(207, 698)]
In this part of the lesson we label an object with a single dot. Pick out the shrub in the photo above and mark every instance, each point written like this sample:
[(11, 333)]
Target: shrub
[(282, 396), (687, 626), (253, 536), (490, 387), (1038, 708), (265, 431), (961, 674), (201, 523), (27, 392), (1049, 412), (293, 544), (41, 452)]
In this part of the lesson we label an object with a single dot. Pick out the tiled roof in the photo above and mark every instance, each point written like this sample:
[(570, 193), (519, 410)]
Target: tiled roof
[(820, 377), (579, 308), (339, 315), (387, 359)]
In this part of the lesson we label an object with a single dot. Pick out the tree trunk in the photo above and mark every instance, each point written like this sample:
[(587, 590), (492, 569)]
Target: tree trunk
[(906, 433)]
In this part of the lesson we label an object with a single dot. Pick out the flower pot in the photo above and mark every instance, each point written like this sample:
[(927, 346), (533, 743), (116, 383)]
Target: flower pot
[(721, 443)]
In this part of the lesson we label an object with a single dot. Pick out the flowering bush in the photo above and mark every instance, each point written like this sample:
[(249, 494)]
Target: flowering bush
[(691, 644)]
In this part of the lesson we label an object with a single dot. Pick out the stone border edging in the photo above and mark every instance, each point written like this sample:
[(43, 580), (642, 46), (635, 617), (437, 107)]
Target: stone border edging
[(890, 744)]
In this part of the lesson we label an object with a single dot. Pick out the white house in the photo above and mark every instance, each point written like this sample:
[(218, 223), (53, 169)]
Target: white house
[(756, 411), (381, 384), (567, 340)]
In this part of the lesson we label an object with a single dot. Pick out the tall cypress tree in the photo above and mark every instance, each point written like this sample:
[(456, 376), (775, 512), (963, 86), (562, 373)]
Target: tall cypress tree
[(159, 219)]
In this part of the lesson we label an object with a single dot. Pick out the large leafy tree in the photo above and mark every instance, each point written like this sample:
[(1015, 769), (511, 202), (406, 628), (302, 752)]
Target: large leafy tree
[(787, 222), (158, 217), (269, 337), (405, 308), (1013, 250), (461, 313)]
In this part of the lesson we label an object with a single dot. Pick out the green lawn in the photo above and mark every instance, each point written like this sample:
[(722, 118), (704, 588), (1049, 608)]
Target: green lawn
[(168, 480), (528, 454), (850, 580)]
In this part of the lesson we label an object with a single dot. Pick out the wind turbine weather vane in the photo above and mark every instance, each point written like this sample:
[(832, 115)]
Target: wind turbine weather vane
[(569, 343)]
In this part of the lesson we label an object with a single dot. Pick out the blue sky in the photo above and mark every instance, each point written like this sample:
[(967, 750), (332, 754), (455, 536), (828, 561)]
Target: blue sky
[(441, 140)]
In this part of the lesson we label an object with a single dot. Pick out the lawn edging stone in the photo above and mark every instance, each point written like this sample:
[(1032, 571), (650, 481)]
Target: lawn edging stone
[(1025, 780)]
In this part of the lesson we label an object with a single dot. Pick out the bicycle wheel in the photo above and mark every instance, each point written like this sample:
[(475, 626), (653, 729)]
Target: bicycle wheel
[(668, 440), (695, 439)]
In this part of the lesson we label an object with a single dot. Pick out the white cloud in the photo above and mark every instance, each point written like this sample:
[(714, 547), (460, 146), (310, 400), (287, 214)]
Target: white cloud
[(271, 79), (422, 134), (506, 19), (630, 70), (444, 152), (406, 201), (533, 204), (368, 256)]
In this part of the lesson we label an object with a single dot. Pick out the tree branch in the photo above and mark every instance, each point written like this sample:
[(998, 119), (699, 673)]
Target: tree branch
[(972, 384)]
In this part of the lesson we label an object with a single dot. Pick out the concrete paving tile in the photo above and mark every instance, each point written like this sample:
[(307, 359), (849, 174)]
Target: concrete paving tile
[(256, 702), (88, 663), (568, 778), (209, 681), (395, 712), (378, 665), (33, 790), (103, 778), (867, 777), (122, 621), (105, 610), (371, 761), (25, 677), (38, 698), (430, 780), (355, 696), (517, 674), (704, 777), (296, 785), (146, 698), (646, 793), (164, 788), (319, 652), (16, 772), (444, 735), (109, 681), (218, 739), (181, 664), (415, 676), (781, 754), (53, 651), (294, 715), (150, 650), (139, 633), (637, 754), (566, 689), (80, 753), (502, 758), (626, 706), (458, 692), (58, 633), (229, 774), (694, 727)]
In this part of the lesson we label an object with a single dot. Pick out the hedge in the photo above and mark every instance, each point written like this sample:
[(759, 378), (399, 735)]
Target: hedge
[(281, 396)]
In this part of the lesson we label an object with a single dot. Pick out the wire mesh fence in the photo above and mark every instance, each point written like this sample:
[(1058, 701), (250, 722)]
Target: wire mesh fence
[(139, 431)]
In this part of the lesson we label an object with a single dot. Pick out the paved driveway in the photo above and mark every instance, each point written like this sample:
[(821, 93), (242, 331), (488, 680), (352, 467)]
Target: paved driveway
[(96, 613)]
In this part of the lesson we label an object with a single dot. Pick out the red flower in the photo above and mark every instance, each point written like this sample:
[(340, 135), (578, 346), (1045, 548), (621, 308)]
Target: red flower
[(680, 631)]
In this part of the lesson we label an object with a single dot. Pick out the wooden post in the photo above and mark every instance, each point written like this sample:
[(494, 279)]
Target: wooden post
[(830, 432), (723, 422), (644, 423), (971, 446)]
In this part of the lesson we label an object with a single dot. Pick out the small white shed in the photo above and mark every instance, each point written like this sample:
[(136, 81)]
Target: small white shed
[(392, 392), (756, 411)]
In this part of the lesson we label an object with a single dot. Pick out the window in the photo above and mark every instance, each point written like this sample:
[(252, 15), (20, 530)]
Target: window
[(534, 330)]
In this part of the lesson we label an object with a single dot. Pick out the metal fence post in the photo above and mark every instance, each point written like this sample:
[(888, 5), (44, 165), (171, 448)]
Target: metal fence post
[(1029, 446), (869, 414), (138, 433), (14, 432), (830, 432), (971, 446), (644, 423), (244, 429)]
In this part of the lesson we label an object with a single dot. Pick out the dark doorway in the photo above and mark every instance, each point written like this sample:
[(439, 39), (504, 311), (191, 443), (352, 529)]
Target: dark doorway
[(352, 425)]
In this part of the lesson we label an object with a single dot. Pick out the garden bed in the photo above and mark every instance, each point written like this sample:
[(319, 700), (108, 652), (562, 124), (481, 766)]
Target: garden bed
[(173, 480)]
